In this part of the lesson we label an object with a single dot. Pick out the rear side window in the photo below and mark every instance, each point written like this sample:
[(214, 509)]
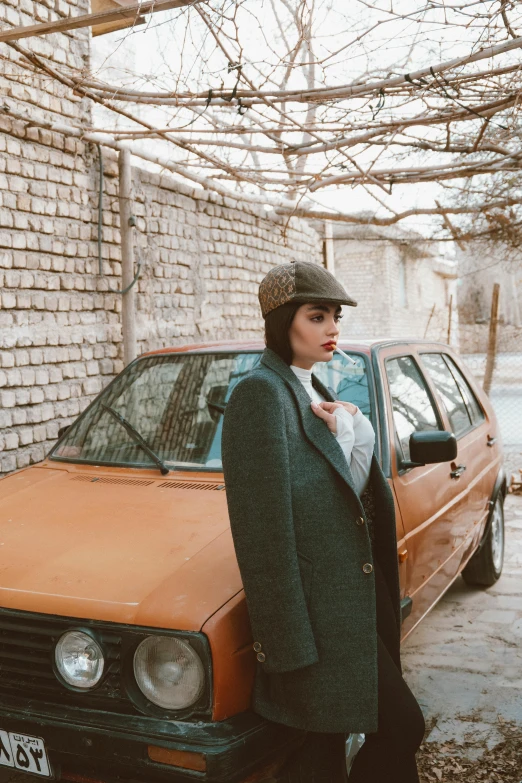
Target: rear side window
[(413, 409), (475, 411), (461, 406)]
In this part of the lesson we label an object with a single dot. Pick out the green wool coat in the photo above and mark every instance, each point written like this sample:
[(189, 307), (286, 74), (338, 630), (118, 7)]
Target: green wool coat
[(293, 508)]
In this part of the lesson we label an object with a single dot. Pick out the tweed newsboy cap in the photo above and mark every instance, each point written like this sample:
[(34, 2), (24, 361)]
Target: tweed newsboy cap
[(300, 281)]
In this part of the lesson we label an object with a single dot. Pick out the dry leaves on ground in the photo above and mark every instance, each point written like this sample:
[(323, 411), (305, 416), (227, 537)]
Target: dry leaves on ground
[(444, 762)]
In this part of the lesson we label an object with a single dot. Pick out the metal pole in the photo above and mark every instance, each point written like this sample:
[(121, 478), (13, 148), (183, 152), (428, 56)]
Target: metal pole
[(492, 342), (128, 315)]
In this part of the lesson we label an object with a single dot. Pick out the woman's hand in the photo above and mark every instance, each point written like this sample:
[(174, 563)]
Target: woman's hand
[(349, 406), (325, 411)]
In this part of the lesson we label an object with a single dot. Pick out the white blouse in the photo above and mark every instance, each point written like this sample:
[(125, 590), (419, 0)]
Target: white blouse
[(355, 434)]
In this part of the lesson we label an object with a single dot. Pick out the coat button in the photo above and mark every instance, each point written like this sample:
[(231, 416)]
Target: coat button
[(261, 657), (257, 646), (360, 520), (367, 568)]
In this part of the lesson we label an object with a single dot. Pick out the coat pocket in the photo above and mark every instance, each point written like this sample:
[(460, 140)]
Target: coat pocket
[(306, 569)]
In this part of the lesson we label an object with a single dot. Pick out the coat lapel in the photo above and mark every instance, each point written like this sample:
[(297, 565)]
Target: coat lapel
[(316, 430)]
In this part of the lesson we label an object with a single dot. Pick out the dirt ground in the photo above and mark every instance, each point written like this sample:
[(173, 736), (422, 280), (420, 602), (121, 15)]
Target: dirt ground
[(464, 664), (446, 762)]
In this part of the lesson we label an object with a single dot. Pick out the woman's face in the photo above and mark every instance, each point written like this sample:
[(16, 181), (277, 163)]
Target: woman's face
[(315, 327)]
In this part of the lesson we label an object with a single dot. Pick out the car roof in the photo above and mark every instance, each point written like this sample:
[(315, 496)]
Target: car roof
[(232, 346)]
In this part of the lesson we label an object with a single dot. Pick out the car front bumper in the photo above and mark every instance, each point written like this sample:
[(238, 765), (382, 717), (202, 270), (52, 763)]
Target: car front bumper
[(90, 744)]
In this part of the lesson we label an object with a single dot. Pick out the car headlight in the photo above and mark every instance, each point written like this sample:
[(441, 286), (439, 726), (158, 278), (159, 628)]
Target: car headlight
[(169, 672), (79, 659)]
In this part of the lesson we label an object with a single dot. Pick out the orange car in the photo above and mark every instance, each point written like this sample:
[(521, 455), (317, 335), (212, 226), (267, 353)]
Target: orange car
[(125, 646)]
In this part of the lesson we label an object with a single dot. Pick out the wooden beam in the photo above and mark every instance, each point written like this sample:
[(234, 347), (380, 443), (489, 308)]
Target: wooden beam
[(110, 5), (111, 27), (134, 11), (491, 356)]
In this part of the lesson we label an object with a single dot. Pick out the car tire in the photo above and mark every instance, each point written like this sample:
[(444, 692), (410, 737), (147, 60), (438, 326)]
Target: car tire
[(485, 565)]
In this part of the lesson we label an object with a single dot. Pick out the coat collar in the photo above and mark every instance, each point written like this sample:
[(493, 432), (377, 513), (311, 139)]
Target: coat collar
[(316, 430)]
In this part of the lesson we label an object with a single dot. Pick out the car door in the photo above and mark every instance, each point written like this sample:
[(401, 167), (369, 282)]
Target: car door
[(476, 469), (426, 495)]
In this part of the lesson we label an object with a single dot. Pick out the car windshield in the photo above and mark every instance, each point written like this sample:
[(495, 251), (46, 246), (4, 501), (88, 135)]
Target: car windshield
[(175, 402)]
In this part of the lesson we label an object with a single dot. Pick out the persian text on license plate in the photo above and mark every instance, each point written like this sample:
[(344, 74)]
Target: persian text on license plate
[(23, 752)]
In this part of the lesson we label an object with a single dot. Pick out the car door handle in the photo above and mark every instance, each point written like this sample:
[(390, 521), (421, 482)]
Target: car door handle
[(457, 471), (491, 441)]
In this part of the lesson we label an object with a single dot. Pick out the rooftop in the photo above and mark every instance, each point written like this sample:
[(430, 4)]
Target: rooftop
[(363, 346)]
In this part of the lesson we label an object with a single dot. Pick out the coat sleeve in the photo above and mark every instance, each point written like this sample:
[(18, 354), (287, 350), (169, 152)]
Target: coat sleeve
[(257, 480)]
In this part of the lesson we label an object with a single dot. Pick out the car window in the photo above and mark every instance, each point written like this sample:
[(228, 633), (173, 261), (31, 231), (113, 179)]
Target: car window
[(413, 409), (176, 403), (449, 391), (475, 411), (349, 381)]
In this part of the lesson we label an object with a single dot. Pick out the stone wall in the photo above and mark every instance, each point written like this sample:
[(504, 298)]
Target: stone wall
[(474, 338), (60, 340), (43, 230), (203, 258), (60, 321)]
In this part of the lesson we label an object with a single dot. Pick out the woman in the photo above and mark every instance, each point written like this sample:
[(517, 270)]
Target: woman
[(313, 523)]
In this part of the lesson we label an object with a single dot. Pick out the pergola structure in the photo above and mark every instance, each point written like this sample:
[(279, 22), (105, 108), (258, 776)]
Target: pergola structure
[(270, 120)]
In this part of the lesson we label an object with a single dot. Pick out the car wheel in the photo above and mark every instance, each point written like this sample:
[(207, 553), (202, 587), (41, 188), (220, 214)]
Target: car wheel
[(485, 566)]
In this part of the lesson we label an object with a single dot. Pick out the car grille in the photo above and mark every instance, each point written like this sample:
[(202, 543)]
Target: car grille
[(27, 644)]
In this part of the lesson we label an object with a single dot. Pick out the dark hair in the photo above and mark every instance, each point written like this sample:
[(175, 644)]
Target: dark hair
[(277, 325)]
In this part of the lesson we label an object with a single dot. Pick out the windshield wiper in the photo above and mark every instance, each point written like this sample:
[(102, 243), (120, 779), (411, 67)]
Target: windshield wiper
[(137, 437), (216, 406)]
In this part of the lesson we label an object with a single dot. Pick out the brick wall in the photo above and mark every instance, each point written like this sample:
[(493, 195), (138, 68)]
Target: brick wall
[(60, 321)]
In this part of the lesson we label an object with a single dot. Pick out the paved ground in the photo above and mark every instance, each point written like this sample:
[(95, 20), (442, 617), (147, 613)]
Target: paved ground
[(464, 662)]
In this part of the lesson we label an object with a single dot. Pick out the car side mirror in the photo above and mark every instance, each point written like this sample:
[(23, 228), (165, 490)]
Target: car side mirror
[(63, 430), (427, 448)]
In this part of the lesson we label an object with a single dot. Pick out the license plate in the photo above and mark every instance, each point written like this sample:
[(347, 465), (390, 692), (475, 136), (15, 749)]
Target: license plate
[(25, 753)]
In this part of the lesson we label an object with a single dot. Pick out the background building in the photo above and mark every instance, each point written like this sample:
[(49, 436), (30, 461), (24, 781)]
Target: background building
[(404, 286)]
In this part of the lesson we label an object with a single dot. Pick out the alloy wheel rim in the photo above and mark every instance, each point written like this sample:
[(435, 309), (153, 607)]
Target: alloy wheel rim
[(497, 537)]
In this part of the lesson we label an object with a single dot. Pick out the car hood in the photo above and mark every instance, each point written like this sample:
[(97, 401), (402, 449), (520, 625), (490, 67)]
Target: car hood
[(114, 547)]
